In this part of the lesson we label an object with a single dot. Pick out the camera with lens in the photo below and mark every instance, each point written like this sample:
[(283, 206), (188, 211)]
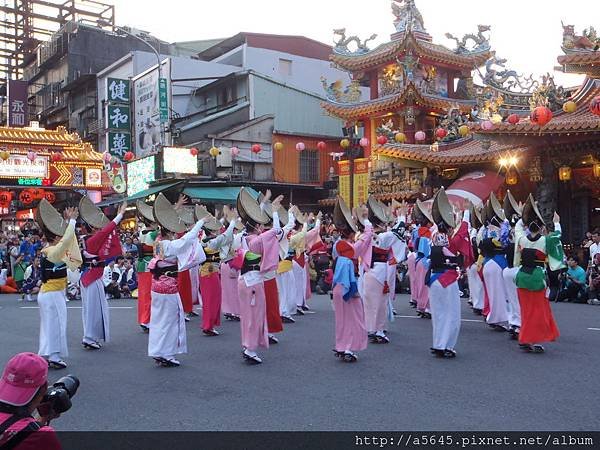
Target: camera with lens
[(58, 397)]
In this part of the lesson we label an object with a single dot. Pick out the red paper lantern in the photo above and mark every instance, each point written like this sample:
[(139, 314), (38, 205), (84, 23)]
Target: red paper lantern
[(25, 197), (37, 194), (56, 156), (513, 119), (441, 133), (382, 140), (49, 195), (541, 115), (5, 199), (194, 151), (256, 148), (128, 156), (595, 105), (322, 146)]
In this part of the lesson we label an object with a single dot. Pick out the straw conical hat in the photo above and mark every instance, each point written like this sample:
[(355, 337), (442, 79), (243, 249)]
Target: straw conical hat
[(378, 214), (441, 209), (211, 223), (91, 214), (50, 219), (249, 209), (145, 211), (342, 217), (299, 216), (187, 214), (166, 215), (282, 212), (476, 221), (421, 211), (531, 213), (511, 207), (494, 209)]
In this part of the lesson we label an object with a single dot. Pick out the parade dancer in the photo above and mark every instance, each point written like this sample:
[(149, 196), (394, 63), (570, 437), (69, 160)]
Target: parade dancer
[(167, 336), (422, 260), (411, 262), (285, 274), (444, 294), (513, 213), (350, 328), (99, 248), (230, 301), (258, 256), (62, 254), (377, 283), (476, 288), (534, 248), (300, 243), (494, 253), (215, 248), (147, 237)]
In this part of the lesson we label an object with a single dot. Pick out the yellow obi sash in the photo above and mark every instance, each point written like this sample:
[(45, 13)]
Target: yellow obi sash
[(284, 266), (53, 285)]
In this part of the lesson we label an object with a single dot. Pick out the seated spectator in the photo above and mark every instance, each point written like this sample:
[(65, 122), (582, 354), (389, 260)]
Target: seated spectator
[(33, 280), (7, 284), (128, 282), (324, 284), (130, 248), (573, 286), (593, 275), (111, 278)]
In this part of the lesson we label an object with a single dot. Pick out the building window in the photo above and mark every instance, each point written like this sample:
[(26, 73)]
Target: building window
[(285, 67), (225, 95), (309, 166)]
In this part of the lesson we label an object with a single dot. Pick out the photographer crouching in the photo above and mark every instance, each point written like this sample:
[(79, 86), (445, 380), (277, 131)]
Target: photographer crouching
[(27, 405)]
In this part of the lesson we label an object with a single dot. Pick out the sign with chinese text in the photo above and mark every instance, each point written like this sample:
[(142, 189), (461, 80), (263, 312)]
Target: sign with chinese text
[(179, 160), (361, 181), (118, 143), (19, 166), (344, 181), (140, 173), (151, 100), (17, 103), (34, 181), (163, 100), (117, 90), (118, 117)]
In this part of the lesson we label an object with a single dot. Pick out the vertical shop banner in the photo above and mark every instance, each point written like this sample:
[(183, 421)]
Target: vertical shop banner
[(118, 143), (17, 103), (118, 90), (151, 98), (118, 117), (344, 181), (361, 181)]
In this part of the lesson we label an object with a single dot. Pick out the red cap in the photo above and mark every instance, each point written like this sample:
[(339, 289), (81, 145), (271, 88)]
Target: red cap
[(22, 377)]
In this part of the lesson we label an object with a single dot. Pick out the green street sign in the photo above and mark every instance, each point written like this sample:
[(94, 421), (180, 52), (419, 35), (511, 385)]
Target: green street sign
[(163, 100), (118, 117)]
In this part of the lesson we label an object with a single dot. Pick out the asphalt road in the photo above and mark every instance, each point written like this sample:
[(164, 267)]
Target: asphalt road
[(491, 385)]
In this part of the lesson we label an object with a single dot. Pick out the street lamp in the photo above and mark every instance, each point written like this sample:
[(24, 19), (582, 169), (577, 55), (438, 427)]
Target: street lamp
[(352, 152), (103, 23)]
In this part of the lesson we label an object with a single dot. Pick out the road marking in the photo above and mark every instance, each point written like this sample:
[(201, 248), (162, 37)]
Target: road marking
[(594, 329), (79, 307), (462, 320)]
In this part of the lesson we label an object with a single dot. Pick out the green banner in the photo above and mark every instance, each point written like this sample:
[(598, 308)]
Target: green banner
[(118, 117), (163, 100), (118, 143), (117, 90)]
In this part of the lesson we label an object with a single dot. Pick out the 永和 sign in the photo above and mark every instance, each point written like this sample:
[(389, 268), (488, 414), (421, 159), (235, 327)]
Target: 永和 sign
[(17, 103)]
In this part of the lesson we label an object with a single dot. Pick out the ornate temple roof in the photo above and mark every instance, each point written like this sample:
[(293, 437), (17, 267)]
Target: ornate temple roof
[(387, 52), (392, 102), (586, 62), (580, 121), (462, 151), (32, 136)]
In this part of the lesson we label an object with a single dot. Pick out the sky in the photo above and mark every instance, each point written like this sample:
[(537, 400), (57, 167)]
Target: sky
[(527, 33)]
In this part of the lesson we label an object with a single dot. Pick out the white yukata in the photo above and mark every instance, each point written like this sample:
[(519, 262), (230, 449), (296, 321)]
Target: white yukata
[(286, 281), (476, 288), (167, 335), (52, 297)]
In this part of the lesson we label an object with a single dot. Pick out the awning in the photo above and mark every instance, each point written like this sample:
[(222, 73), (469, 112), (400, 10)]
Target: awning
[(139, 195), (213, 194)]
